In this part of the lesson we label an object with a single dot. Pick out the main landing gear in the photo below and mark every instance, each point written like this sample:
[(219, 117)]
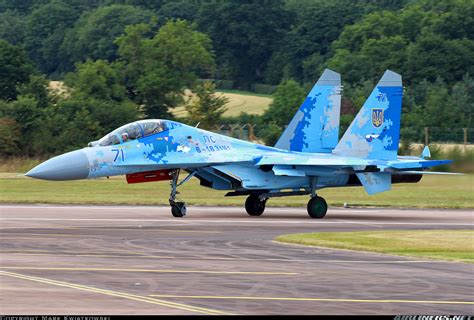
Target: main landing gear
[(317, 207), (178, 208), (255, 205)]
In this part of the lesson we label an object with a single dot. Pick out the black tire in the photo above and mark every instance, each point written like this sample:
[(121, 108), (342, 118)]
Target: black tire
[(317, 207), (178, 210), (254, 206)]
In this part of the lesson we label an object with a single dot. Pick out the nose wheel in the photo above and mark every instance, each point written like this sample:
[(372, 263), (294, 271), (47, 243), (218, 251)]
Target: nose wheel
[(178, 208), (317, 207)]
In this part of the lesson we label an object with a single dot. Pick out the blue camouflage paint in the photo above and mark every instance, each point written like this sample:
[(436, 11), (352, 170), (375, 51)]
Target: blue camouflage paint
[(315, 126), (365, 137), (371, 140)]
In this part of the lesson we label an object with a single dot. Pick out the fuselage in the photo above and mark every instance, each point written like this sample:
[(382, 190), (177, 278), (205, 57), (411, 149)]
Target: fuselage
[(219, 161)]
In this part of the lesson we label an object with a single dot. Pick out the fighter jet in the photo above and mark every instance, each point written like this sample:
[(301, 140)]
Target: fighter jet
[(307, 158)]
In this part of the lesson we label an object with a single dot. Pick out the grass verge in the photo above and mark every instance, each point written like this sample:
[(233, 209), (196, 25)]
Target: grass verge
[(431, 192), (454, 245)]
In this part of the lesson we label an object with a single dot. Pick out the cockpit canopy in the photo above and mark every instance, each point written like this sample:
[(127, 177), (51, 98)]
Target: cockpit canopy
[(132, 131)]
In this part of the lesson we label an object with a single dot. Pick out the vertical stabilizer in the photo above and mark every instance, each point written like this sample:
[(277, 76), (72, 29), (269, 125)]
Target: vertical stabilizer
[(315, 126), (375, 131), (426, 153)]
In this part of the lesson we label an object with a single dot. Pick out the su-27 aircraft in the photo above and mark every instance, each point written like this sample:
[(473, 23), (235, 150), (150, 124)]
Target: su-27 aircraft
[(306, 158)]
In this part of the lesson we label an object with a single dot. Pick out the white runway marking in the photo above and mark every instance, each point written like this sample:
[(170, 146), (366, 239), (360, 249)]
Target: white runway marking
[(218, 209), (233, 221)]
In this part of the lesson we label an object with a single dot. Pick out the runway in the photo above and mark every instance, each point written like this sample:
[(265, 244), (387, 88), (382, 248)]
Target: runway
[(217, 260)]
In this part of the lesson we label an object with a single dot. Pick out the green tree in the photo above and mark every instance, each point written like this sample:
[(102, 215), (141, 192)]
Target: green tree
[(27, 116), (22, 6), (357, 95), (307, 45), (286, 101), (15, 69), (12, 27), (462, 94), (424, 40), (206, 108), (433, 56), (153, 5), (94, 33), (310, 38), (37, 88), (183, 9), (10, 137), (46, 26), (270, 133), (158, 69), (98, 91), (440, 107), (65, 126), (244, 34), (97, 79)]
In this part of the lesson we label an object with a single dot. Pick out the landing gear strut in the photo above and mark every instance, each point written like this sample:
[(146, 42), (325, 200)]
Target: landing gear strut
[(254, 205), (317, 207), (178, 208)]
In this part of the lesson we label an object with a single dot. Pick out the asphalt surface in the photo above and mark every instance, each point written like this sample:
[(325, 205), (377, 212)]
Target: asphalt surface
[(140, 260)]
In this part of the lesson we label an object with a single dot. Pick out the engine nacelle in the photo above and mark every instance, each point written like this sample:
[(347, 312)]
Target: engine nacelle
[(406, 178), (149, 176), (396, 178)]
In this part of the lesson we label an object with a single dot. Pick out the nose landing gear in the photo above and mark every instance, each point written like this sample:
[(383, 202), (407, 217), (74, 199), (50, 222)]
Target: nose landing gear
[(178, 208)]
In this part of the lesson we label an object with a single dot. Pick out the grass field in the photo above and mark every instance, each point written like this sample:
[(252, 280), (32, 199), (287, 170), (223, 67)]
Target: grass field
[(431, 192), (239, 101), (457, 245)]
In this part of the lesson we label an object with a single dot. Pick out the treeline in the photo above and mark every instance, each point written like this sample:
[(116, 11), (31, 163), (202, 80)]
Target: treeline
[(129, 59), (147, 79)]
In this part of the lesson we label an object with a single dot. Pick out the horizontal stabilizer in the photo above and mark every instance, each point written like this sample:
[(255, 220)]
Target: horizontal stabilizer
[(412, 164), (314, 160), (375, 182), (430, 172)]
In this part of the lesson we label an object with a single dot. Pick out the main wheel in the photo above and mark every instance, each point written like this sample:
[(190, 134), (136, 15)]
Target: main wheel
[(178, 209), (254, 206), (317, 207)]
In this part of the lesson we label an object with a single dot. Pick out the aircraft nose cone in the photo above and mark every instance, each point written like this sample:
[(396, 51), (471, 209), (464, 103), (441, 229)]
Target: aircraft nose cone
[(69, 166)]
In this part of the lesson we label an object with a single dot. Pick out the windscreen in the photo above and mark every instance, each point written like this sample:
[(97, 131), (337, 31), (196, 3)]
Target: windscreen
[(133, 131)]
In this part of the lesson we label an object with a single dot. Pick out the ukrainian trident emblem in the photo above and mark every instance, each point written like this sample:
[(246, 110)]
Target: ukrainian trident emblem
[(377, 117)]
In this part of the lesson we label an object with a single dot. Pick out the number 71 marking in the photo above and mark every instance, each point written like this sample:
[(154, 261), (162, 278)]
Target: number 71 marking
[(117, 154)]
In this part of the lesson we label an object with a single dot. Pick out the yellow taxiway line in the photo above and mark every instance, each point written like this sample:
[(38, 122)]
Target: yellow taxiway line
[(154, 270), (313, 299), (116, 294)]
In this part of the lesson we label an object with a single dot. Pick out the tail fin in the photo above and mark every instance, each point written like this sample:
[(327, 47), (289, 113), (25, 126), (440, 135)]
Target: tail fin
[(315, 126), (375, 131)]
